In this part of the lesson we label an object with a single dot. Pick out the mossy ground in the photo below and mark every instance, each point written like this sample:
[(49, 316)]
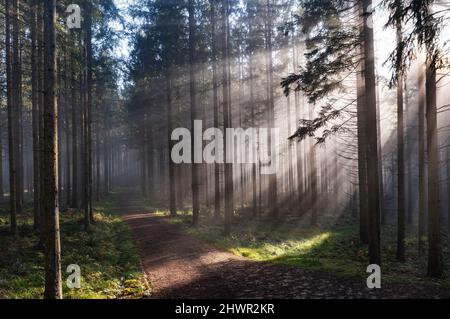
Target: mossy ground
[(334, 247), (110, 266)]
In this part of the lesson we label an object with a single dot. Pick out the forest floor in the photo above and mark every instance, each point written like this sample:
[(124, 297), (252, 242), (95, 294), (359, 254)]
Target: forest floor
[(181, 264), (109, 262)]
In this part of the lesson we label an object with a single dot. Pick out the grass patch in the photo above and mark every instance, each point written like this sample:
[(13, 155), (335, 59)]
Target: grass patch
[(109, 262), (334, 248)]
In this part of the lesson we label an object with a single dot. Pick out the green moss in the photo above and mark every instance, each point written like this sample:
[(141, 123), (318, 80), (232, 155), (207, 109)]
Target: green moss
[(110, 266)]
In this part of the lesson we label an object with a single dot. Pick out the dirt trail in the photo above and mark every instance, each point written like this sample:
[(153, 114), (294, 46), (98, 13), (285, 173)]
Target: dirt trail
[(181, 266)]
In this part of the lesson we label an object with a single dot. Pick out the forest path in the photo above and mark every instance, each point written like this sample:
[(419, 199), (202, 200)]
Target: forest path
[(182, 266)]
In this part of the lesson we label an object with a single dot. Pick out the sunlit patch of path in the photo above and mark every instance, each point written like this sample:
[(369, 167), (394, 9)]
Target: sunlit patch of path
[(181, 266)]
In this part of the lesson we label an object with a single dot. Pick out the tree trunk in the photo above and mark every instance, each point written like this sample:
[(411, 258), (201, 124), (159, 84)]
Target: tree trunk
[(435, 258), (408, 170), (217, 198), (422, 232), (97, 158), (66, 110), (273, 191), (106, 158), (373, 181), (313, 183), (297, 98), (53, 281), (35, 117), (41, 85), (17, 106), (193, 102), (74, 140), (172, 197), (380, 161), (362, 152), (253, 120), (88, 112), (400, 164), (150, 157), (229, 186), (11, 130)]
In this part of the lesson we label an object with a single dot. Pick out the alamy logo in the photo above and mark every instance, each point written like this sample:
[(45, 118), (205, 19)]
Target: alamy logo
[(374, 280), (243, 146), (74, 19), (74, 279)]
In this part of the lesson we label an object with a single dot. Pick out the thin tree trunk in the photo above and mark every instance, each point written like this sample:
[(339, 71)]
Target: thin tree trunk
[(84, 150), (41, 85), (67, 130), (229, 187), (408, 148), (273, 191), (17, 107), (300, 176), (313, 183), (10, 107), (150, 156), (53, 281), (17, 98), (106, 158), (97, 157), (88, 112), (172, 197), (380, 161), (215, 103), (253, 115), (74, 140), (289, 153), (435, 258), (422, 232), (35, 116), (144, 159), (193, 102), (400, 164)]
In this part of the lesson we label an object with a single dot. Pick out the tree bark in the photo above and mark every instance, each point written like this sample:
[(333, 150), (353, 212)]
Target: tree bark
[(74, 139), (273, 187), (35, 116), (299, 146), (400, 164), (373, 181), (172, 197), (53, 281), (217, 198), (253, 115), (11, 130), (88, 112), (313, 182), (435, 258), (193, 103), (422, 232), (362, 153), (229, 185), (17, 104)]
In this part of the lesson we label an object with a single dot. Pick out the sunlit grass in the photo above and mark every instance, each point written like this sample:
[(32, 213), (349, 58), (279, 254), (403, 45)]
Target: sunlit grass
[(273, 251), (110, 266)]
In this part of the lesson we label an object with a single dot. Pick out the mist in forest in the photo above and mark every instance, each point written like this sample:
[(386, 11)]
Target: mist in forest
[(310, 133)]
